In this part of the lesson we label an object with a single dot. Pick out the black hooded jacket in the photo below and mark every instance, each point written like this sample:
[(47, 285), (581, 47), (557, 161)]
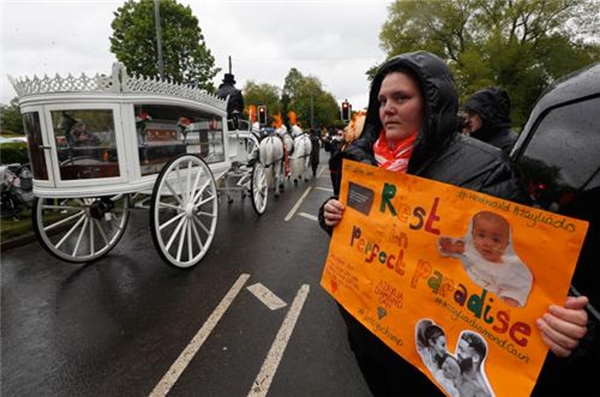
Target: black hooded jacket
[(492, 104), (442, 154)]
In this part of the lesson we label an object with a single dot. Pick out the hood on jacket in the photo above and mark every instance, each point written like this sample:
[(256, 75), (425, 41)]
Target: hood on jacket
[(440, 120), (492, 104)]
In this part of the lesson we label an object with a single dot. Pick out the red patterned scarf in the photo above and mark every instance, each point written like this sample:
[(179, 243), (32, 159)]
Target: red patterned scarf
[(396, 159)]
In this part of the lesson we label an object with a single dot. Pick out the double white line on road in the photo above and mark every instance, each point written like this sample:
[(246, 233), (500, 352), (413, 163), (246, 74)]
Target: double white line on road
[(169, 379), (267, 372), (263, 380), (290, 214)]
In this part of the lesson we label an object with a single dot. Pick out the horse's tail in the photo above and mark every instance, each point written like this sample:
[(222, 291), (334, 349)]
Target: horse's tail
[(307, 146), (270, 152), (304, 147)]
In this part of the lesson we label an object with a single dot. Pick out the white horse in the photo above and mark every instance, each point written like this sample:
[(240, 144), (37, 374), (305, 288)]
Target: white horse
[(300, 158), (272, 157)]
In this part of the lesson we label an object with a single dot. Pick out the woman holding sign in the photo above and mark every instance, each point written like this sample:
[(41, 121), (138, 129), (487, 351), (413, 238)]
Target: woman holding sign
[(412, 127)]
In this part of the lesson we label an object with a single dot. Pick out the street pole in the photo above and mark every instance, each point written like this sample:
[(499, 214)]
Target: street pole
[(158, 39), (312, 121)]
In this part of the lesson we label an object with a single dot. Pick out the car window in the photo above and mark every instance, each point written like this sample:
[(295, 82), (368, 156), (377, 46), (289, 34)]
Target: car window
[(564, 147)]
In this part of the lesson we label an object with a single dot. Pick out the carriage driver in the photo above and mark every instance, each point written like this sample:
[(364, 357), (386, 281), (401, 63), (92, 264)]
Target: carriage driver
[(235, 105)]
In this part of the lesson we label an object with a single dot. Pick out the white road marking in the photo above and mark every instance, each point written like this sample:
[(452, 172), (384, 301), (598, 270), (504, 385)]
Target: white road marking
[(169, 379), (320, 171), (297, 205), (324, 188), (267, 297), (264, 378), (309, 216)]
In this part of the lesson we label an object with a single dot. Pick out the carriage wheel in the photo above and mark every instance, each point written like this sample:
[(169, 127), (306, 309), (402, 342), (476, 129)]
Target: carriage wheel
[(80, 229), (259, 188), (184, 211)]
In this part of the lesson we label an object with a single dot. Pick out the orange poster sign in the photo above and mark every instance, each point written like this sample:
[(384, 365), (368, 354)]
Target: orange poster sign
[(414, 259)]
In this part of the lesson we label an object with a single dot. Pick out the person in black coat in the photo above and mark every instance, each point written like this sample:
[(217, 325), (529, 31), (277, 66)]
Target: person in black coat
[(488, 118), (412, 126), (235, 105), (333, 145), (315, 150)]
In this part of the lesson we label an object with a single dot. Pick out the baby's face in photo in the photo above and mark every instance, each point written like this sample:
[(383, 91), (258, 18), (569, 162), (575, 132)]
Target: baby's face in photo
[(490, 237), (450, 368)]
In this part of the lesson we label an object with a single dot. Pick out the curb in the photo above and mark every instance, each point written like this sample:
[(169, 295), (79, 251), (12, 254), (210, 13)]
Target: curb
[(17, 241)]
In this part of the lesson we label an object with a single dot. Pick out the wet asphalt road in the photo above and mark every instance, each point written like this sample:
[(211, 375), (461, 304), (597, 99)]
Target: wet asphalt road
[(114, 327)]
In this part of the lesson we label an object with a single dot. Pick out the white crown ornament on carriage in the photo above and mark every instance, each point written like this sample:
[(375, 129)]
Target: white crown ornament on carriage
[(84, 180), (118, 82)]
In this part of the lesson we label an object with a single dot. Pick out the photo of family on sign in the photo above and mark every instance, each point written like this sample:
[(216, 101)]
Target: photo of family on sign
[(461, 374)]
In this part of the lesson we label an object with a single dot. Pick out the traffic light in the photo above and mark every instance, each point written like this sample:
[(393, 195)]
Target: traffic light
[(262, 114), (346, 111)]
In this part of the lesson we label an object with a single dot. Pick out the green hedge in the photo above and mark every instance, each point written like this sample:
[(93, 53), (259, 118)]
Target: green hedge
[(14, 152)]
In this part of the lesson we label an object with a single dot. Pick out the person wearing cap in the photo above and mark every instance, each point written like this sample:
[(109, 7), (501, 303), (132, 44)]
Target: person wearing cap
[(235, 105), (487, 118)]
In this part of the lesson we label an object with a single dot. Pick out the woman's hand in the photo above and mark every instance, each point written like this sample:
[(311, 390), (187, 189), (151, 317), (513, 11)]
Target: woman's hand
[(563, 327), (332, 212)]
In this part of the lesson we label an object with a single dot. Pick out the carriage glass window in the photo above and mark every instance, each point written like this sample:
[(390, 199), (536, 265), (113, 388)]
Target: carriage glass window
[(164, 132), (31, 123), (85, 142)]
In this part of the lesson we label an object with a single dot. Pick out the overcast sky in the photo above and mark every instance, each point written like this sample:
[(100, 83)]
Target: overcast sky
[(335, 41)]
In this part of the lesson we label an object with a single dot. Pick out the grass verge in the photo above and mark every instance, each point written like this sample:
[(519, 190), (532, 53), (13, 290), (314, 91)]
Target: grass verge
[(11, 229)]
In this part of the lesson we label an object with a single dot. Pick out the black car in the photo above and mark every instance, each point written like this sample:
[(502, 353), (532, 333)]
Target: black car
[(558, 154)]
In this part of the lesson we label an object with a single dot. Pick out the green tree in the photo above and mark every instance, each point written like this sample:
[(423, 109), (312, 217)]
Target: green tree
[(520, 45), (305, 96), (186, 57), (10, 117), (263, 94)]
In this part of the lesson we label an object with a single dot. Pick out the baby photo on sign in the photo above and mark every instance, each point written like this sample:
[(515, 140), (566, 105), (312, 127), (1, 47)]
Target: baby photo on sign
[(488, 257), (461, 374)]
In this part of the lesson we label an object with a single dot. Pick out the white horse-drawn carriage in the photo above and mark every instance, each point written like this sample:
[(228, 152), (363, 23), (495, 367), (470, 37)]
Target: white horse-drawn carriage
[(102, 146)]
